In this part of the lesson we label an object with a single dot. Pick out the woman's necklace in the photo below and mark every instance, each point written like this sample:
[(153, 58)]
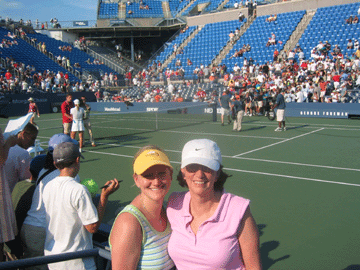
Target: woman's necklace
[(151, 215)]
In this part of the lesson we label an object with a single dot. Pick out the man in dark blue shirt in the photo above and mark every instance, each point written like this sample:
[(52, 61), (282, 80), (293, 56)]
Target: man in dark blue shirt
[(225, 106), (280, 114)]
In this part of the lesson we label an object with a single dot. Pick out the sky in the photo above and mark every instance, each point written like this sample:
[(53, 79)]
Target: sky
[(44, 10)]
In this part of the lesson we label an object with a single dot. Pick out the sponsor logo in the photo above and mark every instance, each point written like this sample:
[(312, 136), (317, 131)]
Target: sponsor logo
[(25, 101), (112, 109), (152, 109)]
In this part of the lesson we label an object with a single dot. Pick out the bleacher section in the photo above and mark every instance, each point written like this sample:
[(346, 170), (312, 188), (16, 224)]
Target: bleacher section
[(25, 53), (169, 48), (187, 92), (258, 34), (75, 56), (328, 24), (206, 45), (173, 5), (155, 10), (108, 10)]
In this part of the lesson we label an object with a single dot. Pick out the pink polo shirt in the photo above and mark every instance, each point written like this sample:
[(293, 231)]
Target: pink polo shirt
[(216, 244)]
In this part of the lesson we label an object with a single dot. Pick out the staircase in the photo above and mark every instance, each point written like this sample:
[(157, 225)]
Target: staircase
[(221, 6), (182, 45), (230, 45), (299, 30), (122, 10), (109, 57), (166, 9), (185, 8)]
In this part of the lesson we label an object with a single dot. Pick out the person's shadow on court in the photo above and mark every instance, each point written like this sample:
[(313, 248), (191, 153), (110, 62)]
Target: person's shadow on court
[(265, 249)]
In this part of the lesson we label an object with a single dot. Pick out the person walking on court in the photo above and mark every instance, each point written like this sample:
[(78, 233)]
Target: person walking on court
[(280, 114), (238, 106), (77, 114), (66, 117), (33, 108), (87, 123), (225, 106)]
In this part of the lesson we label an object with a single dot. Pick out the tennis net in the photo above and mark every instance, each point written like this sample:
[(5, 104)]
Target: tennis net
[(118, 124)]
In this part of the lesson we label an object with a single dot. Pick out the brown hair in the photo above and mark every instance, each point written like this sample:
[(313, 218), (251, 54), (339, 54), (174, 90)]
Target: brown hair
[(218, 186)]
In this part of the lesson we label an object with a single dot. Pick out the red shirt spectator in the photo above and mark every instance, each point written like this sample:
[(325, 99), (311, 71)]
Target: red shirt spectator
[(304, 65), (65, 109), (336, 78), (8, 75), (157, 98)]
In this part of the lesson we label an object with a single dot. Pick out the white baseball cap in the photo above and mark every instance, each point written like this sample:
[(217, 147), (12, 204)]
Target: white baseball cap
[(202, 151), (76, 101)]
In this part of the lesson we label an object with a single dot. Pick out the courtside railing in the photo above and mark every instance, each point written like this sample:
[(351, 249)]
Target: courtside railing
[(24, 263)]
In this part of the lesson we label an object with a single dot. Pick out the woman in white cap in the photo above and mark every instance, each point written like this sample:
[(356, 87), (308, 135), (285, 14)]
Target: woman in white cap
[(33, 108), (78, 123), (211, 229), (139, 236)]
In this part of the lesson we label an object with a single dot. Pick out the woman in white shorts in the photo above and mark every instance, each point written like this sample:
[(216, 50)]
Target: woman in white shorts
[(78, 123)]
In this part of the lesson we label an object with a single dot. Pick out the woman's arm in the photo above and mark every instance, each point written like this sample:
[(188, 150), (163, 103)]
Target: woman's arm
[(249, 242), (125, 238)]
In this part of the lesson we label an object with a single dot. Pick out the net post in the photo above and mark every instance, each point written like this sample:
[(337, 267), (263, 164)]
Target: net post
[(156, 120), (214, 111)]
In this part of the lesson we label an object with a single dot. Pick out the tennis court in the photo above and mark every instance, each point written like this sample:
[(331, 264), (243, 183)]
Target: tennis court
[(304, 183)]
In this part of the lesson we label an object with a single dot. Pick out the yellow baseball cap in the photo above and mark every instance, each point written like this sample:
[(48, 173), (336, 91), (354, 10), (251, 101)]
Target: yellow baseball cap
[(149, 158)]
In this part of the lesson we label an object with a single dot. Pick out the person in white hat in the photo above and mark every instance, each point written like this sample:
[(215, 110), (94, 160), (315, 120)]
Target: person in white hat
[(78, 123), (33, 108), (210, 227)]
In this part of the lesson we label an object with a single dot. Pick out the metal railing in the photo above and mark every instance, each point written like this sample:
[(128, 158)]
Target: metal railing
[(106, 61), (23, 263), (33, 43)]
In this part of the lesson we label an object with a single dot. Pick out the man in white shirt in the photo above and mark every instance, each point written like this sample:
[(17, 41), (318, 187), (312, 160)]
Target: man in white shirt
[(17, 166)]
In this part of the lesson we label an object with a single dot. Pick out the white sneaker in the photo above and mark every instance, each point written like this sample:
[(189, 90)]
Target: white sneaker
[(80, 150), (278, 129), (284, 129)]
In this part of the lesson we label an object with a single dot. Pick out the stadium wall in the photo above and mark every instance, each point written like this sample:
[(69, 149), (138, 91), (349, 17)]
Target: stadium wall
[(276, 8), (18, 104), (60, 35), (318, 110)]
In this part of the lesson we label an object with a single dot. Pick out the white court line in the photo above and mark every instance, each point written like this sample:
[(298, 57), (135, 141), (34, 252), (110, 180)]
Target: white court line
[(232, 157), (295, 163), (295, 177), (278, 143), (222, 135), (253, 172)]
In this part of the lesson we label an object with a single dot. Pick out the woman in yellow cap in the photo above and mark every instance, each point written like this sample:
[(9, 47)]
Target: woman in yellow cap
[(141, 231)]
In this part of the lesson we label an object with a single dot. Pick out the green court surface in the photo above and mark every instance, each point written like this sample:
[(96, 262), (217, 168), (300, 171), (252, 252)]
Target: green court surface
[(303, 183)]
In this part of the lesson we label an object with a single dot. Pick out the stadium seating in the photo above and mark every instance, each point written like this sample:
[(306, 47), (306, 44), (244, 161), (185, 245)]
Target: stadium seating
[(258, 34), (169, 48), (155, 10), (75, 56), (25, 53), (206, 45), (108, 10), (328, 24), (173, 5)]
